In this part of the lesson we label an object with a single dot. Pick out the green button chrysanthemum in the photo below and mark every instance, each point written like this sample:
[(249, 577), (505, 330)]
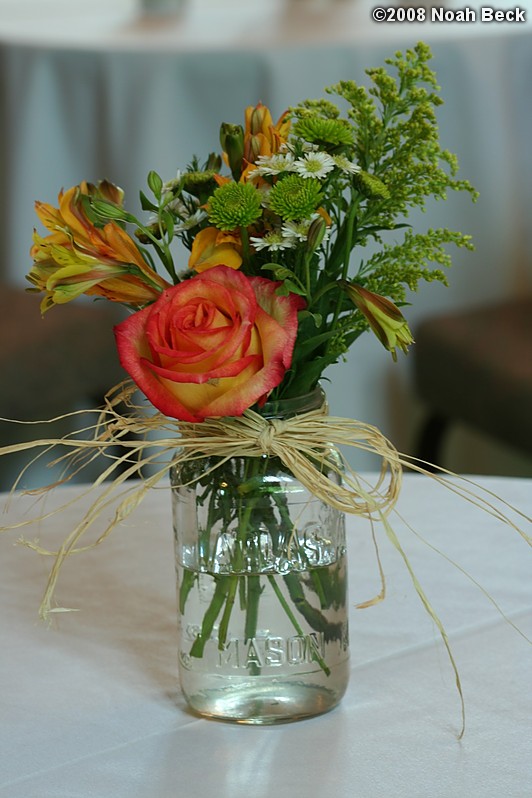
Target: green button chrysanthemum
[(197, 183), (234, 205), (325, 132), (295, 197), (370, 186)]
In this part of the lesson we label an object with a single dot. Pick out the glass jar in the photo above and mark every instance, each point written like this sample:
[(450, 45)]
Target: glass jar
[(262, 586)]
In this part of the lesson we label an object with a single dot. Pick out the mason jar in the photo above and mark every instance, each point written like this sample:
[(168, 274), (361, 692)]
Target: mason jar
[(261, 585)]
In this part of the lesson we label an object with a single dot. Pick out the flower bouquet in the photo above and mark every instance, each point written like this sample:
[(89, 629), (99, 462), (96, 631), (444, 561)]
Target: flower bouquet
[(228, 345)]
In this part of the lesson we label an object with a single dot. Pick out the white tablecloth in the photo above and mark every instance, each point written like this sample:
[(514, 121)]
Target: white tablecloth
[(91, 707)]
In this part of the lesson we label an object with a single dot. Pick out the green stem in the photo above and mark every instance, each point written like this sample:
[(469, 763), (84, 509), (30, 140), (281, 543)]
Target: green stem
[(293, 620), (306, 263), (232, 585), (350, 226), (318, 295), (244, 237), (313, 617), (252, 610), (252, 614), (210, 617), (317, 584), (189, 577), (161, 249), (249, 600)]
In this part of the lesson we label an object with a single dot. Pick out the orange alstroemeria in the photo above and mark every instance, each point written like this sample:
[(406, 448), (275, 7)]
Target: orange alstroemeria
[(212, 247), (261, 136), (80, 258)]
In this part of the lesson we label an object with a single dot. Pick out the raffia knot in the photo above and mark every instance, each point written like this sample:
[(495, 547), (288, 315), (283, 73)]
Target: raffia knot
[(269, 431)]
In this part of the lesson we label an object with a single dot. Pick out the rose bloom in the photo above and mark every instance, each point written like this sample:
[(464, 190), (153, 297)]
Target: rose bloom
[(212, 345)]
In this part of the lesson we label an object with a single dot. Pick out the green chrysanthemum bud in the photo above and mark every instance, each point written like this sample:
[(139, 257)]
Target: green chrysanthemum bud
[(200, 184), (295, 197), (327, 133), (234, 205), (370, 186)]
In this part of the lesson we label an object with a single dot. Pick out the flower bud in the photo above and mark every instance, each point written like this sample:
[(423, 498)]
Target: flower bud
[(213, 163), (370, 186), (384, 318), (316, 233), (253, 148), (260, 119), (232, 141)]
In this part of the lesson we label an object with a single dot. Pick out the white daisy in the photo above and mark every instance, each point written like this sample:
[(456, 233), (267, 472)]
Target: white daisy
[(272, 241), (272, 165), (170, 185), (343, 163), (298, 231), (314, 164), (193, 220), (305, 146), (264, 192), (178, 207)]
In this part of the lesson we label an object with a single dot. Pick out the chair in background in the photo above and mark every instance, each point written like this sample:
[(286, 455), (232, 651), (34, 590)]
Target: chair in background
[(53, 365), (475, 367)]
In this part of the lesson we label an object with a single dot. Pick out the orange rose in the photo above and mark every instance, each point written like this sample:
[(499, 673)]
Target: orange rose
[(212, 345)]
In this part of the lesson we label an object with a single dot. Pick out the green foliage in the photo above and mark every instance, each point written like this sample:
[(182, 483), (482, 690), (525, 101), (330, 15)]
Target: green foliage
[(402, 166)]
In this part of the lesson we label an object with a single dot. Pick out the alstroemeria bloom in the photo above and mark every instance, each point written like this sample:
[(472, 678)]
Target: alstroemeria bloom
[(384, 318), (261, 136), (80, 258), (213, 247), (211, 346)]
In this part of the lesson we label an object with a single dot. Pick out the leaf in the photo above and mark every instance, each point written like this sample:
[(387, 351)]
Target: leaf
[(168, 221), (146, 204), (305, 348), (279, 272), (295, 288), (317, 318), (291, 281)]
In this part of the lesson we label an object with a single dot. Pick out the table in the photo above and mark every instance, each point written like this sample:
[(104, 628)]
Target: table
[(91, 708)]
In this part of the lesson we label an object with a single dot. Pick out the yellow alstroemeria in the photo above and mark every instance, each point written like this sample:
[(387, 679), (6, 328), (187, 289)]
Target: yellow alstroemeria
[(383, 316), (212, 247), (79, 258), (63, 275)]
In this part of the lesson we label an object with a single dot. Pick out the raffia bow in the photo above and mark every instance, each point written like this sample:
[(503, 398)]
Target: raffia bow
[(302, 443)]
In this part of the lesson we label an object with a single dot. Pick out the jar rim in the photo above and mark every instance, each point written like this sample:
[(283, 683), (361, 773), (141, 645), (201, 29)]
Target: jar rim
[(294, 405)]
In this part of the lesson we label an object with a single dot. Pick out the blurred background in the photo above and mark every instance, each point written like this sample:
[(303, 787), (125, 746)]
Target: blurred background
[(115, 89)]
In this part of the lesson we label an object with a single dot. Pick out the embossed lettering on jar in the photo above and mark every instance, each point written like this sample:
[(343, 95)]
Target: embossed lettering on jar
[(262, 586)]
